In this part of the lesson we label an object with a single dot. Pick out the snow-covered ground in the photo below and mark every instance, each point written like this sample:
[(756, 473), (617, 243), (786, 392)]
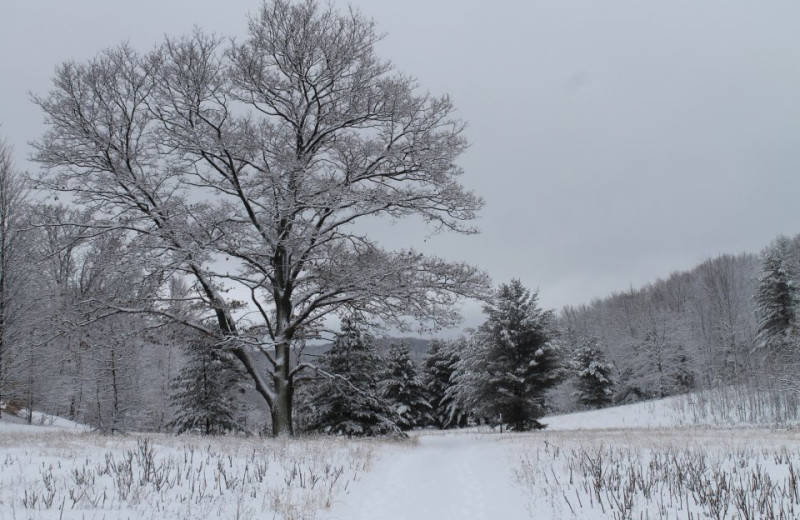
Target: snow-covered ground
[(58, 472), (665, 473), (652, 460), (39, 423), (680, 473), (720, 408), (652, 414), (646, 460), (452, 476)]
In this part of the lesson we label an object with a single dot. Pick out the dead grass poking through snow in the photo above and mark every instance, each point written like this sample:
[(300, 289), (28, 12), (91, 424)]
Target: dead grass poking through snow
[(664, 474), (85, 476)]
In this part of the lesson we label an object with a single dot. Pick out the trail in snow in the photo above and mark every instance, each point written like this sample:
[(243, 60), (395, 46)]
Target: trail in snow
[(444, 477)]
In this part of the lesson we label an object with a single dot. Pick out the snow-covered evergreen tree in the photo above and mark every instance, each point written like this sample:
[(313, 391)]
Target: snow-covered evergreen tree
[(512, 360), (777, 297), (204, 391), (594, 381), (402, 387), (440, 363), (344, 399)]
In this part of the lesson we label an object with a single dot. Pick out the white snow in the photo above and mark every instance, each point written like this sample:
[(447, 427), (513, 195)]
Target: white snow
[(483, 474), (40, 423), (720, 408), (49, 473), (458, 476), (652, 414), (583, 466)]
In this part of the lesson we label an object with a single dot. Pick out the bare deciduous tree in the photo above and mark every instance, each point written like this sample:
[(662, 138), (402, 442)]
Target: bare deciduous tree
[(726, 315), (12, 207), (247, 164)]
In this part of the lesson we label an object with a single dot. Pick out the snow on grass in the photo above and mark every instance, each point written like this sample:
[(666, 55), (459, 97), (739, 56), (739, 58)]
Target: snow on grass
[(68, 475), (643, 461), (724, 454), (676, 458), (684, 473), (724, 407), (737, 406)]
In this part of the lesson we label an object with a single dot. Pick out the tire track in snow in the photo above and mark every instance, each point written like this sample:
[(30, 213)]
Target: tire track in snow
[(444, 477)]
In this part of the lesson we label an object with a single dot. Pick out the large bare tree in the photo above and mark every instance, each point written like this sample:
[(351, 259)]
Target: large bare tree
[(249, 163)]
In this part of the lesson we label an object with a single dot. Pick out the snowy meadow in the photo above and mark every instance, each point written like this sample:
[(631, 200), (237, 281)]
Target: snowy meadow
[(656, 460), (722, 454), (78, 475), (683, 473)]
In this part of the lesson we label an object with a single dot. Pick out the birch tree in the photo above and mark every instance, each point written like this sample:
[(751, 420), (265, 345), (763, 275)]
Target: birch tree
[(246, 164)]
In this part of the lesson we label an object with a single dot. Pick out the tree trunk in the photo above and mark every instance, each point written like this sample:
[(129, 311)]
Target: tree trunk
[(3, 307), (282, 407), (30, 395), (2, 344), (2, 375), (115, 391)]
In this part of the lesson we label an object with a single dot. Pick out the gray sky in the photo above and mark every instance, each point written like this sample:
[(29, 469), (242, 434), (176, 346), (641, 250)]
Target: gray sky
[(614, 141)]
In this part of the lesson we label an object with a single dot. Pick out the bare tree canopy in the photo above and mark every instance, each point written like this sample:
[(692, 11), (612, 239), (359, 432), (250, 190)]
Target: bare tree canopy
[(12, 271), (247, 163)]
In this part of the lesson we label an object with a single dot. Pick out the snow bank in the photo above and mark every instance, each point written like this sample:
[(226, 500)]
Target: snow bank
[(41, 422), (651, 414), (721, 408)]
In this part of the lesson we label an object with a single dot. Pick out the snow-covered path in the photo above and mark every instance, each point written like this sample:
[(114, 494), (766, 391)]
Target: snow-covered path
[(458, 477)]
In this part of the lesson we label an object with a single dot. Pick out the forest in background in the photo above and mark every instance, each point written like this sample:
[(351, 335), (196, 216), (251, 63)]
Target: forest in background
[(694, 329), (63, 353)]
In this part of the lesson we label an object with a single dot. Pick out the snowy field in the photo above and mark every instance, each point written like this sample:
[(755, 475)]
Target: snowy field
[(60, 472), (643, 461), (668, 459), (680, 473)]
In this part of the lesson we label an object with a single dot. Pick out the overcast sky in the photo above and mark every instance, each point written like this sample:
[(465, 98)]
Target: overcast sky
[(614, 141)]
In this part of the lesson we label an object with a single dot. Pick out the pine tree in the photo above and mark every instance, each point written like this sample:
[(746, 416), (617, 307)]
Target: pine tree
[(344, 400), (403, 389), (440, 363), (777, 297), (512, 360), (204, 391), (594, 383)]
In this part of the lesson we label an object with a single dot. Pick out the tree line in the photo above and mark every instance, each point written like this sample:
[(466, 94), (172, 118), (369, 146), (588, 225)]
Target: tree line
[(691, 330), (499, 374), (729, 322)]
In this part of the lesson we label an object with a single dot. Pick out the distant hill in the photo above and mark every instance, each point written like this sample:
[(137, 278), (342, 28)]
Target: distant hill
[(418, 347)]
